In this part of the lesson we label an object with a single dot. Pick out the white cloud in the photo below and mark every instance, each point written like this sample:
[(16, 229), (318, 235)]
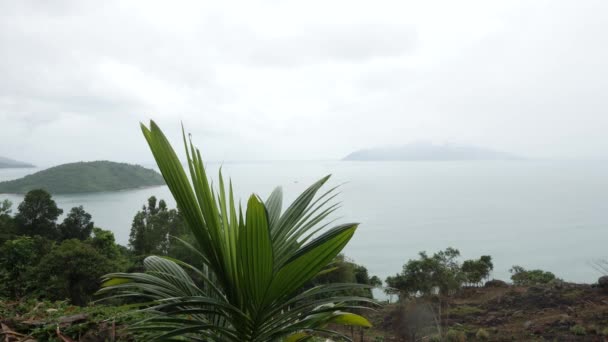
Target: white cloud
[(302, 80)]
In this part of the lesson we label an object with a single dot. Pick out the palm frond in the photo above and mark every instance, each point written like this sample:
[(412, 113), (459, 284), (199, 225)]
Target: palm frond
[(250, 287)]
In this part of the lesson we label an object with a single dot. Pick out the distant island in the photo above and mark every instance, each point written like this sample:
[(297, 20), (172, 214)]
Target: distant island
[(82, 177), (10, 163), (428, 151)]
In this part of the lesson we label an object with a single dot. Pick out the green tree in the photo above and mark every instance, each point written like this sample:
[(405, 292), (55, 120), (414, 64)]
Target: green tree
[(37, 215), (522, 277), (18, 259), (440, 272), (76, 225), (104, 242), (256, 260), (7, 224), (72, 271), (475, 271), (344, 270), (152, 228)]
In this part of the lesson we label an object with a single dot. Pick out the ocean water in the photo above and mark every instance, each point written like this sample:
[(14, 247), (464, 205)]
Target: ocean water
[(551, 215)]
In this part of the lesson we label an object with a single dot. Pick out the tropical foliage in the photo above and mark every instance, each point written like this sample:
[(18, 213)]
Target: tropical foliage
[(41, 259), (256, 262)]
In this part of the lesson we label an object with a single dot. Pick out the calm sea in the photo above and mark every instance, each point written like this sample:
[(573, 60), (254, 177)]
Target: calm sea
[(537, 214)]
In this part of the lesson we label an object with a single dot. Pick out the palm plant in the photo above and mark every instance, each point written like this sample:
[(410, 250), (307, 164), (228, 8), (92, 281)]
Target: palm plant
[(255, 264)]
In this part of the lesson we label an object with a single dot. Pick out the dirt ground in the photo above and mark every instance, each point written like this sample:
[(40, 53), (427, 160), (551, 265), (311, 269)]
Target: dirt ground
[(559, 312)]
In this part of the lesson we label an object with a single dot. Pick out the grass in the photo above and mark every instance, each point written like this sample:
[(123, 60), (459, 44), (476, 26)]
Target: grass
[(465, 310)]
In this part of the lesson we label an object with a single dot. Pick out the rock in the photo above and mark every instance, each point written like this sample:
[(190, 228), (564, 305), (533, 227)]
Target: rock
[(51, 310), (496, 283), (538, 331), (73, 318), (603, 282), (528, 324)]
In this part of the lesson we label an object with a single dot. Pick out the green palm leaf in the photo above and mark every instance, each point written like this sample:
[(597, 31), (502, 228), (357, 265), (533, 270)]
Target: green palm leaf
[(255, 264)]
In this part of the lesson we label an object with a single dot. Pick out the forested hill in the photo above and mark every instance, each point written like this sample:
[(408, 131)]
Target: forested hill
[(10, 163), (85, 177)]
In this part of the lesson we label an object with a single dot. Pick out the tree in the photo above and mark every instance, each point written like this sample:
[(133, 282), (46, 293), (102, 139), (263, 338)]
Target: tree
[(72, 271), (18, 259), (152, 227), (522, 277), (475, 271), (5, 208), (429, 281), (424, 276), (344, 270), (256, 260), (37, 215), (7, 224), (76, 225), (104, 242)]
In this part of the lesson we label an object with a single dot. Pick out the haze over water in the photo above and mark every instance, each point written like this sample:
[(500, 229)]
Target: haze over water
[(551, 215)]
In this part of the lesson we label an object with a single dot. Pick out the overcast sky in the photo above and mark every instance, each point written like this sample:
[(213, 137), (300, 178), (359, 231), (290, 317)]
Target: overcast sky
[(303, 79)]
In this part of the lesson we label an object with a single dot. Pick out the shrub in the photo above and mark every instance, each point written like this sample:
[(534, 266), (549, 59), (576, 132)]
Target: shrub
[(455, 336), (522, 277), (482, 334), (578, 330), (605, 332), (435, 338), (72, 270)]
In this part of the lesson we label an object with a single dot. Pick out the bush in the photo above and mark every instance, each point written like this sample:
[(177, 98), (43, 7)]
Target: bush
[(578, 330), (522, 277), (482, 334), (435, 338), (72, 270), (18, 259), (605, 332), (455, 336)]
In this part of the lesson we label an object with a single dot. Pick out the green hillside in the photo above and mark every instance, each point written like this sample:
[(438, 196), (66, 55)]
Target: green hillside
[(85, 177)]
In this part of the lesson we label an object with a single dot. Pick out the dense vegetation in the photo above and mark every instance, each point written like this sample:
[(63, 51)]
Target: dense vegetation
[(47, 264), (85, 177)]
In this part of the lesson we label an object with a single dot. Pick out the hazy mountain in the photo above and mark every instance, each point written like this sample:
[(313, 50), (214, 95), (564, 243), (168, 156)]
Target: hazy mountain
[(10, 163), (427, 151), (85, 177)]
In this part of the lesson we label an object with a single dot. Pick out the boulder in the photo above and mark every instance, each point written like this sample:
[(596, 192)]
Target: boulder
[(496, 283)]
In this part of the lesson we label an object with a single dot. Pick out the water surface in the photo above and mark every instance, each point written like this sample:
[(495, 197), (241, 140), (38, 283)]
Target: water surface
[(538, 214)]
